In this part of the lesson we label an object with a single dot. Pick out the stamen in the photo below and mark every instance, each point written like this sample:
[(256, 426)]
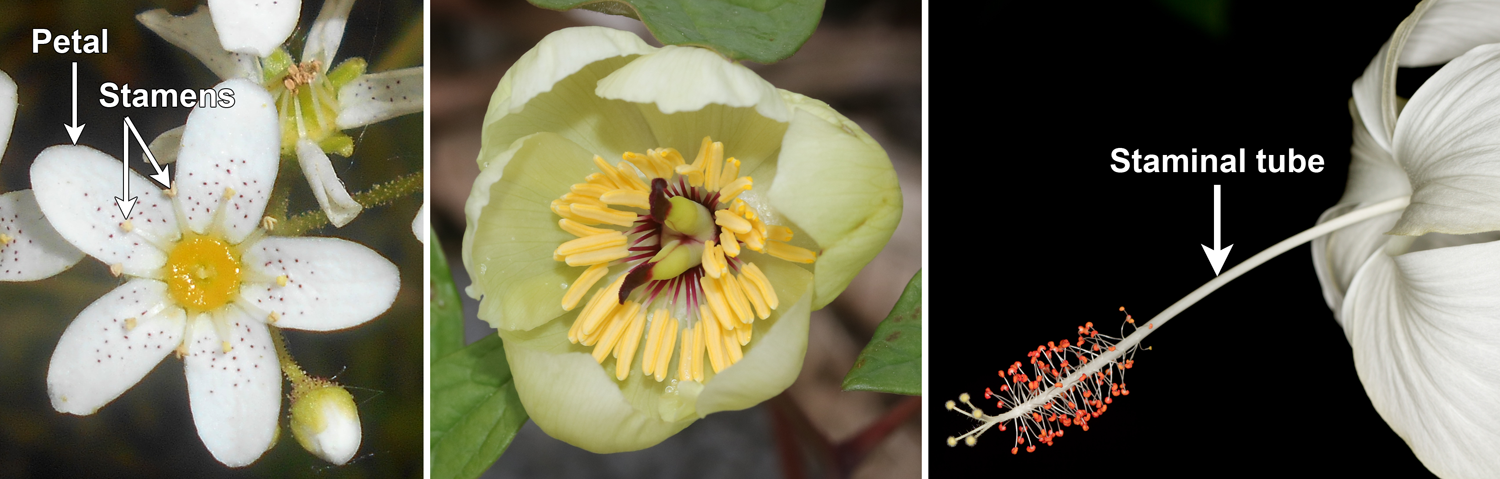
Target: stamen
[(731, 171), (716, 355), (731, 245), (664, 349), (592, 243), (790, 253), (744, 332), (603, 215), (129, 324), (716, 300), (617, 324), (731, 221), (752, 272), (778, 233), (590, 189), (653, 341), (753, 294), (698, 351), (734, 188), (711, 264), (625, 350), (736, 297), (598, 257), (633, 198), (582, 285)]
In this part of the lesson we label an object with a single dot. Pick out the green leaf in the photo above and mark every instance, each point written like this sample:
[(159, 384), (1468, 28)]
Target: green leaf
[(475, 410), (446, 307), (892, 362), (763, 31)]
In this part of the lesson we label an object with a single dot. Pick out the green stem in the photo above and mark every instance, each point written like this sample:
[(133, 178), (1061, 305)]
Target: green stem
[(379, 195), (289, 367)]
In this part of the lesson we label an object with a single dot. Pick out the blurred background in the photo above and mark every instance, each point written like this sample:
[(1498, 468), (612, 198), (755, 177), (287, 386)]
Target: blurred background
[(865, 60), (148, 431)]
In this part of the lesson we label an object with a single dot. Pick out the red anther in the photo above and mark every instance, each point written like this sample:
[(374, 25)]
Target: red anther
[(1052, 418), (1033, 385), (1031, 448), (1093, 333), (1102, 409), (1066, 422), (1148, 325), (1080, 340), (1085, 427), (1122, 308), (1114, 393), (1085, 393), (1036, 416), (1130, 320), (987, 393), (1004, 387), (1047, 406), (1108, 401), (1095, 414), (1096, 348), (1125, 392), (1013, 450), (1113, 387), (1000, 404), (1033, 360), (1059, 432), (1063, 344), (1071, 405), (1111, 348), (1055, 373), (1020, 440), (1057, 385), (1051, 344)]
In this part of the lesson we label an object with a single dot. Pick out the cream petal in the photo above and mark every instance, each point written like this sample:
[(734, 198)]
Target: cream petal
[(235, 396), (512, 231), (111, 345), (380, 96), (551, 89), (164, 147), (678, 79), (9, 101), (34, 250), (773, 359), (327, 32), (1448, 141), (254, 27), (572, 398), (326, 187), (1449, 29), (195, 34), (838, 187), (1375, 90), (330, 283), (1425, 330), (237, 147), (752, 139), (76, 186)]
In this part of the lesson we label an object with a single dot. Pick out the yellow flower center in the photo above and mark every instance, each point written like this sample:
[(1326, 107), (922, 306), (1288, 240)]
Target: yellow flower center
[(306, 96), (203, 273), (684, 286)]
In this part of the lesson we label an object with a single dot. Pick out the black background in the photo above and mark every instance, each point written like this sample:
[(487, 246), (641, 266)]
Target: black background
[(1032, 234)]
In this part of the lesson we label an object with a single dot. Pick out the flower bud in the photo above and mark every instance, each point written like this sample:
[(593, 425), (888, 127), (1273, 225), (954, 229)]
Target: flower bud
[(326, 422)]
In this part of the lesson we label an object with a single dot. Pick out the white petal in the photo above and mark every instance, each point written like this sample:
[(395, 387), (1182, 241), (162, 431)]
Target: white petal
[(419, 224), (112, 344), (326, 187), (380, 96), (76, 186), (331, 283), (559, 55), (1370, 91), (327, 32), (237, 147), (1374, 176), (195, 34), (254, 27), (165, 146), (1449, 29), (35, 250), (236, 395), (1425, 331), (687, 79), (9, 100), (1448, 141)]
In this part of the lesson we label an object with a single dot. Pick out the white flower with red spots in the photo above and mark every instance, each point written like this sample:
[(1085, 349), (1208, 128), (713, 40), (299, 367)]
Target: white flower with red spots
[(316, 99), (29, 248), (203, 279)]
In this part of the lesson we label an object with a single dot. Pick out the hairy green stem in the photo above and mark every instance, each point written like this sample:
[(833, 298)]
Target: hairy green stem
[(379, 195)]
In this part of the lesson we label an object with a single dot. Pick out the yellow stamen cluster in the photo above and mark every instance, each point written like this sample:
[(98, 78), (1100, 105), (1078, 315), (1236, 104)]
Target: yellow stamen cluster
[(701, 313)]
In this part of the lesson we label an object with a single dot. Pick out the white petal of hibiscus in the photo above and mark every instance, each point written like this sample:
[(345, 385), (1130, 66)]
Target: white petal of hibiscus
[(327, 32), (76, 186), (29, 248), (330, 283), (1449, 29), (165, 146), (687, 79), (9, 100), (1374, 176), (1375, 90), (237, 147), (112, 344), (1448, 141), (254, 27), (235, 395), (195, 34), (326, 187), (380, 96), (1425, 331)]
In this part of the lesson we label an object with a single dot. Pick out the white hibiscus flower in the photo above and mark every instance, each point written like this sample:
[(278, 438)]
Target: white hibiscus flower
[(203, 279)]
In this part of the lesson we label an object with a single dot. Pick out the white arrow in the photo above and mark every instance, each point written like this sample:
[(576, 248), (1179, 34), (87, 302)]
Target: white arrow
[(161, 171), (74, 129), (125, 201), (1216, 256)]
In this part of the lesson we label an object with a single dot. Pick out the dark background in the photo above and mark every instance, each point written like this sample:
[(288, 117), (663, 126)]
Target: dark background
[(1257, 380)]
